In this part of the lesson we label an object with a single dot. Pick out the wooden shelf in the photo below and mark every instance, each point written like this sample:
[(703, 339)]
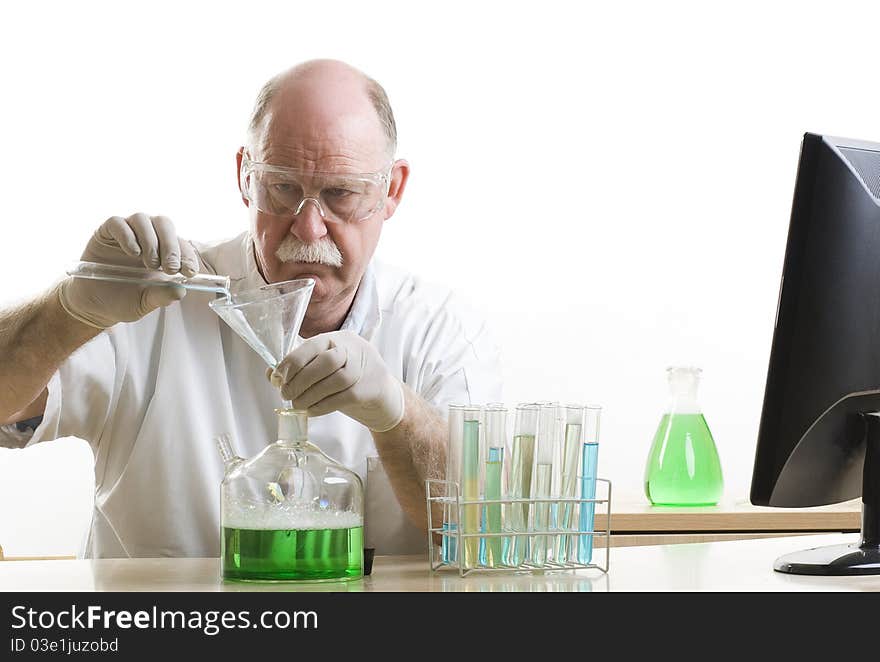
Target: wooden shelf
[(631, 515)]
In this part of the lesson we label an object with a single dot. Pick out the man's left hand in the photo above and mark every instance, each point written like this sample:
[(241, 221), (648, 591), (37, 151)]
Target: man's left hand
[(340, 371)]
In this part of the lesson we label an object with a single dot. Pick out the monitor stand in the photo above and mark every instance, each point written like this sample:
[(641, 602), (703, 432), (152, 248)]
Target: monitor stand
[(854, 559)]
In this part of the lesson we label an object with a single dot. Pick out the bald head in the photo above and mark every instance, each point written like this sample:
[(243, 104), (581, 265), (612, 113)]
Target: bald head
[(328, 89)]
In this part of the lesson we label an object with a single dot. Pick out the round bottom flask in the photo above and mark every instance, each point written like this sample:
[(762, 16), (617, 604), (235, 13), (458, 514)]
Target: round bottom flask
[(291, 513)]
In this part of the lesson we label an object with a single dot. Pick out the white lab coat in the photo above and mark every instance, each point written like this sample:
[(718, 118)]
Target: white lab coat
[(150, 396)]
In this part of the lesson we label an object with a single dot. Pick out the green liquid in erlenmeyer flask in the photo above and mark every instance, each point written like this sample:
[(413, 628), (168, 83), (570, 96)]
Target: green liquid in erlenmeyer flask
[(683, 466)]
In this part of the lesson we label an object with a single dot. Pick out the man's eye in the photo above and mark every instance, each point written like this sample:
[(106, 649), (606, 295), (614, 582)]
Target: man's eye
[(338, 192), (282, 188)]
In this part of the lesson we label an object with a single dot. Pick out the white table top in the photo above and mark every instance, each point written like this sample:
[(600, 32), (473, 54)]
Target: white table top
[(740, 565)]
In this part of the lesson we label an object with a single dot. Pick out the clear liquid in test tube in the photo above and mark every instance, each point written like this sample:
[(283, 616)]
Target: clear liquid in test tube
[(570, 456), (449, 540), (522, 456), (495, 417), (546, 443)]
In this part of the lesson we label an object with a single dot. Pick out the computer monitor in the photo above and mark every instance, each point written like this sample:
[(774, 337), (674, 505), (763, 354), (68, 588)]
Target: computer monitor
[(819, 436)]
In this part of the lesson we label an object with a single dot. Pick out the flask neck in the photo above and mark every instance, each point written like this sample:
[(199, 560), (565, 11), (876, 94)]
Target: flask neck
[(684, 404), (683, 386), (293, 427)]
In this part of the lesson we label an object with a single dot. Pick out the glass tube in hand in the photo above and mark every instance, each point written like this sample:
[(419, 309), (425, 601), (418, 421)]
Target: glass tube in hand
[(143, 276)]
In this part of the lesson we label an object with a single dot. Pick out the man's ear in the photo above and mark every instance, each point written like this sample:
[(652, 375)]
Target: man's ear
[(239, 155), (399, 177)]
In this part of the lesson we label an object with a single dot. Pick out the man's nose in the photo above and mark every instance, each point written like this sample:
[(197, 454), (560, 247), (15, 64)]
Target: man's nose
[(308, 221)]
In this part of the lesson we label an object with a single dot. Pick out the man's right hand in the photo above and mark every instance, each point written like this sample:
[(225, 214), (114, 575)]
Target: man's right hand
[(136, 241)]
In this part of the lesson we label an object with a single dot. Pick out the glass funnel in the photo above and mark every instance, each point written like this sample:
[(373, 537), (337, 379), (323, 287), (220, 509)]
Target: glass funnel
[(291, 512), (267, 318), (683, 467)]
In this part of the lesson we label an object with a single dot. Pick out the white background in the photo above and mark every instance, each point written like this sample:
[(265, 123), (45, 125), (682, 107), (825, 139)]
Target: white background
[(610, 183)]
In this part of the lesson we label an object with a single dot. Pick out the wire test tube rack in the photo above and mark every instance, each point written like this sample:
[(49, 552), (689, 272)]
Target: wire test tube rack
[(456, 539)]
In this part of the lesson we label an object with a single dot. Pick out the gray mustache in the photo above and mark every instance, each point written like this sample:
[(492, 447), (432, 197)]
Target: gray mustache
[(323, 251)]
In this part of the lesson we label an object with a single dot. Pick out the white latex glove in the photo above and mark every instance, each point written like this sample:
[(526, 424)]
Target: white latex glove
[(136, 241), (340, 371)]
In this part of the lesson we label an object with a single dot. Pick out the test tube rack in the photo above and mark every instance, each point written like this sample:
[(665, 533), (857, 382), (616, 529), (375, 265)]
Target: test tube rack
[(457, 538)]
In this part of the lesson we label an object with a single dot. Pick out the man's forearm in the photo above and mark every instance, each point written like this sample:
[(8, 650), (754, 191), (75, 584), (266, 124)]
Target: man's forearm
[(35, 338), (412, 452)]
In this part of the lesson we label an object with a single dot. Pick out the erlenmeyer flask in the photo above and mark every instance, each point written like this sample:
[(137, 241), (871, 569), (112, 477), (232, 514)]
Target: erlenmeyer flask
[(683, 467)]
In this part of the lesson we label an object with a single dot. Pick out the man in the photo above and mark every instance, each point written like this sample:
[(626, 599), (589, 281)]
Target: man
[(149, 377)]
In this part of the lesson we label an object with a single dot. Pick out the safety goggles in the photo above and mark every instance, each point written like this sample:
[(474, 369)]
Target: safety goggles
[(339, 197)]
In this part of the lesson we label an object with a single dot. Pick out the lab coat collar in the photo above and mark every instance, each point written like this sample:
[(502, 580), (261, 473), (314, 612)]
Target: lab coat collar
[(363, 316)]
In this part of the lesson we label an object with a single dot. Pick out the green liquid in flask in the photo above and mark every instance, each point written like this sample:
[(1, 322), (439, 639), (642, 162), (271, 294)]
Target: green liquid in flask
[(683, 466), (293, 554)]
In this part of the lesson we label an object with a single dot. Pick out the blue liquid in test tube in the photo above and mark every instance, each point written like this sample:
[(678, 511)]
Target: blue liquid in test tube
[(448, 551), (589, 459)]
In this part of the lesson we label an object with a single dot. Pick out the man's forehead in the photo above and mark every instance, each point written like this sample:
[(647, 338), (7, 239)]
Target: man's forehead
[(338, 146), (313, 176)]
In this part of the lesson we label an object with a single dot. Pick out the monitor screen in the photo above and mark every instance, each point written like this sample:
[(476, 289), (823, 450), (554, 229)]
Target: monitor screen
[(824, 368)]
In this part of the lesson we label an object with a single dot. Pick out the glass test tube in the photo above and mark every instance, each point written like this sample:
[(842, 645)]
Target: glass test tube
[(589, 460), (144, 276), (545, 443), (519, 487), (448, 543), (556, 481), (495, 417), (470, 484), (570, 454)]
